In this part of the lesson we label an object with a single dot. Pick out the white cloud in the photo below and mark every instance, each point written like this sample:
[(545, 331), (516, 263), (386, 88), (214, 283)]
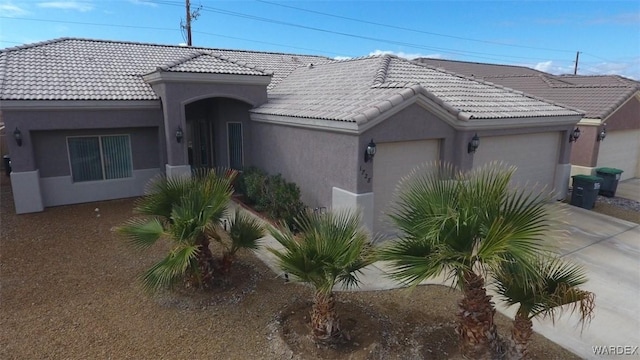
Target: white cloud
[(9, 9), (143, 2), (544, 66), (82, 6), (629, 69), (404, 55)]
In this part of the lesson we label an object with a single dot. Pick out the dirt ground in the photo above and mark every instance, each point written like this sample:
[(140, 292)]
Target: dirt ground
[(69, 291)]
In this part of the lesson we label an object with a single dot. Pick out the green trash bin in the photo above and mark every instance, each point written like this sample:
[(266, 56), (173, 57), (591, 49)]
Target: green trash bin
[(610, 178), (585, 191)]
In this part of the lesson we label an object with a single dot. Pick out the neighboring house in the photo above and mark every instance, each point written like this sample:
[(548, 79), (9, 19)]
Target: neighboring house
[(98, 119), (611, 105)]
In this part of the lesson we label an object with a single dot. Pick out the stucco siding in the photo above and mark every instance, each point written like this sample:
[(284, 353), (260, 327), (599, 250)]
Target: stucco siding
[(315, 160), (61, 190)]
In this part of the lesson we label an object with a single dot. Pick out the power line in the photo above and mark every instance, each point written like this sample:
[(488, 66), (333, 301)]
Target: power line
[(410, 29), (411, 45)]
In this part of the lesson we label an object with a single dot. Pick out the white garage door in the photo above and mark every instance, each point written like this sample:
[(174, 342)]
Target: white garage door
[(620, 149), (534, 155), (392, 162)]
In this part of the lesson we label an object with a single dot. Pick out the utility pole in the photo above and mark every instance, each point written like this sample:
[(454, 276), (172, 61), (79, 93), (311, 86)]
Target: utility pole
[(188, 25), (575, 69)]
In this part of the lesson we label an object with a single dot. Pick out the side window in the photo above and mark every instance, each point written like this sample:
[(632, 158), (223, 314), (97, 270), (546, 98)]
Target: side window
[(100, 157)]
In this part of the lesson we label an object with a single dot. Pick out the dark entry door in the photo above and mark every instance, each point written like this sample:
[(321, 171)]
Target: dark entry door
[(201, 151)]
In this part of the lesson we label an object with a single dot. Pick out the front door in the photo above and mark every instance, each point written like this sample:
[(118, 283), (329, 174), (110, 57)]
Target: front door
[(200, 144)]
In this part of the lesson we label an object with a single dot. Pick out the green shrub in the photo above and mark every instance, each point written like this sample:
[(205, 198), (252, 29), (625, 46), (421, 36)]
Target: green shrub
[(253, 183), (272, 194), (283, 199)]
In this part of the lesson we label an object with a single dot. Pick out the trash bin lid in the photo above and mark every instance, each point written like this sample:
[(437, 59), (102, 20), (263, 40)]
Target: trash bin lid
[(587, 178), (607, 170)]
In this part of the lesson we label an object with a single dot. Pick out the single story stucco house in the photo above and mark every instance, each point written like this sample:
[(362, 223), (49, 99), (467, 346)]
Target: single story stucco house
[(610, 128), (93, 120)]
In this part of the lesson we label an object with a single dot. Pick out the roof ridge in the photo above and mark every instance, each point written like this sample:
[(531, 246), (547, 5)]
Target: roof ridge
[(480, 63), (381, 73), (180, 61), (239, 63), (30, 45), (35, 44)]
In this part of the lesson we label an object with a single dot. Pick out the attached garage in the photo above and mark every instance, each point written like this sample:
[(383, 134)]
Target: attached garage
[(535, 156), (621, 150), (394, 161)]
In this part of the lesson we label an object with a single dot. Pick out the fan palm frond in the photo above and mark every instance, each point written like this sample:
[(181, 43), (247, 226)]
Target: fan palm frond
[(331, 248), (141, 233), (245, 232)]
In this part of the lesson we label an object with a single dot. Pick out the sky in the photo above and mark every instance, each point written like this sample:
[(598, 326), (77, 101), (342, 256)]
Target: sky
[(545, 35)]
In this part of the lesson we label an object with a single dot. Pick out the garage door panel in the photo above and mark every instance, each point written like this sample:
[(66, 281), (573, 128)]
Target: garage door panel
[(534, 155), (392, 162), (621, 149)]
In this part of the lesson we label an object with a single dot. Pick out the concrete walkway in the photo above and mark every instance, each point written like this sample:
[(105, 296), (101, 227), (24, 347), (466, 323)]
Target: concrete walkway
[(607, 247), (629, 189)]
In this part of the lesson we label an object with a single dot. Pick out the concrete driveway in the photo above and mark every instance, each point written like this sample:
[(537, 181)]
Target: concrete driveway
[(609, 249)]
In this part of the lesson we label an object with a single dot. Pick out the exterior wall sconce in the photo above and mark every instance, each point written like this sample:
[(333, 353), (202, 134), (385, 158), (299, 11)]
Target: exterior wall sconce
[(17, 134), (370, 151), (179, 135), (473, 144), (602, 134), (575, 134)]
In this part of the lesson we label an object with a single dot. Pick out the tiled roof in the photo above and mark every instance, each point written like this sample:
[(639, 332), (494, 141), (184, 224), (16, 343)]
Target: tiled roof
[(358, 90), (202, 62), (83, 69), (480, 70), (596, 96)]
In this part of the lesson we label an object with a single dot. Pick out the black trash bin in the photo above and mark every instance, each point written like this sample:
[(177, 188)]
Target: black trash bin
[(585, 191), (610, 178), (7, 164)]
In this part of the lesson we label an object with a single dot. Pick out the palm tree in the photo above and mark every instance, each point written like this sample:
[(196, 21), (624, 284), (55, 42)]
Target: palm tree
[(330, 249), (244, 232), (464, 225), (552, 285), (187, 211)]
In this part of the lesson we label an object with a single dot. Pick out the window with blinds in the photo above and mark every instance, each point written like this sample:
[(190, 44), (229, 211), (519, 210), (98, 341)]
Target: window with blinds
[(234, 130), (100, 157)]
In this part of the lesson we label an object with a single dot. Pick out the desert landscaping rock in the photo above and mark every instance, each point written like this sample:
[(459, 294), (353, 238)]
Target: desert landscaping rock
[(70, 290)]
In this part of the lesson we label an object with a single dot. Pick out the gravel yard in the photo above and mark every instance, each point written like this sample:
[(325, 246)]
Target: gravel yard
[(69, 291)]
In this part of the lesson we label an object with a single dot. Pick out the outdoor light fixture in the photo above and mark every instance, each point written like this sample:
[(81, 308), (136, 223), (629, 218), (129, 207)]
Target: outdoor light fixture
[(179, 134), (370, 151), (17, 134), (574, 135), (473, 144), (602, 134)]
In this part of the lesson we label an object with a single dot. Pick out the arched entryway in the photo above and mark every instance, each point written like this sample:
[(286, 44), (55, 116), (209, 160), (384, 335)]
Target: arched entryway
[(217, 133)]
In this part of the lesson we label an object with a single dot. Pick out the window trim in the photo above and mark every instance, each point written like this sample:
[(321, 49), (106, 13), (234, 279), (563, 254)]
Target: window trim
[(102, 163)]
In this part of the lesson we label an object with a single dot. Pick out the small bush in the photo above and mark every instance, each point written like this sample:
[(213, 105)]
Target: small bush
[(253, 183), (283, 199), (272, 194)]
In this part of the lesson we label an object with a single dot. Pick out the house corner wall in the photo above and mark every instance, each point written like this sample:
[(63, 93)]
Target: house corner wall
[(343, 199), (27, 196)]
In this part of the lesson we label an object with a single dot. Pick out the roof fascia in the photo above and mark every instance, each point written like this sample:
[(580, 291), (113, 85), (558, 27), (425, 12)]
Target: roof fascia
[(184, 77), (79, 104), (590, 122), (635, 95)]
